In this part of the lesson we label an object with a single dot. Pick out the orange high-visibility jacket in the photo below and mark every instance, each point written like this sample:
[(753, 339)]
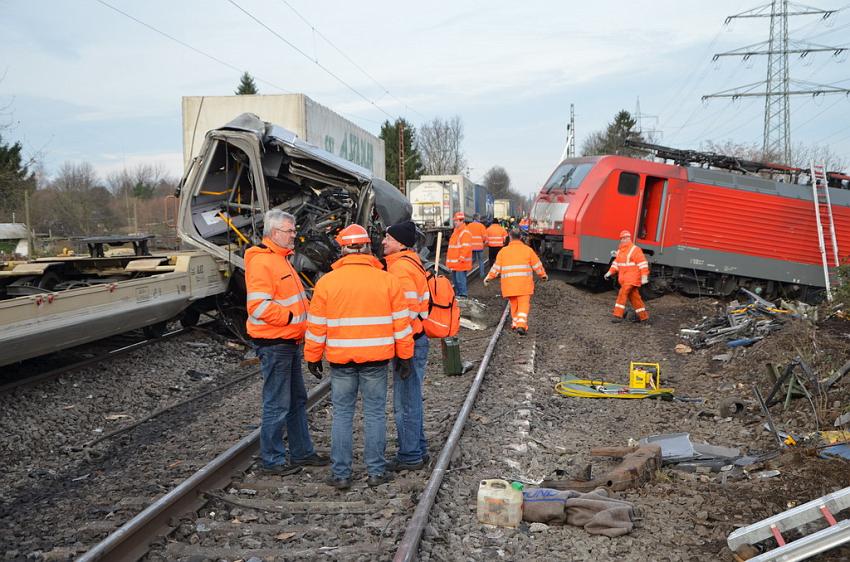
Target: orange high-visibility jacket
[(413, 283), (496, 235), (459, 254), (514, 264), (630, 265), (358, 314), (277, 304), (479, 235)]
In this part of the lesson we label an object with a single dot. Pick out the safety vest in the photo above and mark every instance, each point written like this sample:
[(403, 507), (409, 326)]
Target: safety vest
[(496, 235), (276, 303), (630, 265), (358, 314), (479, 234), (515, 264), (523, 223), (459, 254), (407, 267)]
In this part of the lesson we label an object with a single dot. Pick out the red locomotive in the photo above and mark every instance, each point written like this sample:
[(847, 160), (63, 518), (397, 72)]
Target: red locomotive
[(704, 230)]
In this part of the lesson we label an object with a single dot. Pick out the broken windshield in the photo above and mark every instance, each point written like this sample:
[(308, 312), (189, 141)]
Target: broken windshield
[(567, 176)]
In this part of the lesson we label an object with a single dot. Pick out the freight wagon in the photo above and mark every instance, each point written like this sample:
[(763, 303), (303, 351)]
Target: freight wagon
[(704, 231)]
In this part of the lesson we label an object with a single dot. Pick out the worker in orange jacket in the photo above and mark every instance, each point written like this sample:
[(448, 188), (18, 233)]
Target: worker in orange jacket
[(515, 264), (277, 320), (459, 254), (496, 235), (479, 237), (408, 406), (359, 320), (632, 271)]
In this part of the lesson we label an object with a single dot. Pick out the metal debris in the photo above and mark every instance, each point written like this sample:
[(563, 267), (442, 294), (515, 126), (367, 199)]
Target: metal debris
[(740, 326)]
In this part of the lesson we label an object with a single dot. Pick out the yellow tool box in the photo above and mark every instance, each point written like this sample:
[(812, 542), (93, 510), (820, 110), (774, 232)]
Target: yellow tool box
[(644, 375)]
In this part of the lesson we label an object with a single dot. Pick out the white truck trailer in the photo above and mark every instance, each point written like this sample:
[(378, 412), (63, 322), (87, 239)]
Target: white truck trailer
[(311, 121)]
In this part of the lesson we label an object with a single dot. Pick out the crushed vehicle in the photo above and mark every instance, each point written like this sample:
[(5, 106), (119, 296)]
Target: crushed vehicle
[(250, 166)]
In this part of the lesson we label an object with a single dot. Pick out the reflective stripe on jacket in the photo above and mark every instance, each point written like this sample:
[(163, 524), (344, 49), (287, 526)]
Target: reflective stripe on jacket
[(479, 234), (515, 264), (358, 314), (276, 302), (413, 284), (630, 265), (459, 254), (496, 235)]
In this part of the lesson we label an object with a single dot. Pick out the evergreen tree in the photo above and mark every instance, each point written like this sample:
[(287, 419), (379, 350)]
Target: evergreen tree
[(613, 139), (247, 86), (412, 158), (15, 177)]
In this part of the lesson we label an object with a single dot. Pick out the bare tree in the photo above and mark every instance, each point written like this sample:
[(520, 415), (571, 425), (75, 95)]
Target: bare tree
[(498, 182), (77, 203), (440, 146)]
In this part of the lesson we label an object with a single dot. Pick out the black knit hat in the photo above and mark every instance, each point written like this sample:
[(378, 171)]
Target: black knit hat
[(404, 232)]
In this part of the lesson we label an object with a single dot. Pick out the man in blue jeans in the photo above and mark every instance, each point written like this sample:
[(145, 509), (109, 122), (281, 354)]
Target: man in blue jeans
[(277, 320), (359, 321), (405, 264)]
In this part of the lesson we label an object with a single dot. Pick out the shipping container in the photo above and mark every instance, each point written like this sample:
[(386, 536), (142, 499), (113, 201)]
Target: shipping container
[(502, 209), (436, 198), (308, 119)]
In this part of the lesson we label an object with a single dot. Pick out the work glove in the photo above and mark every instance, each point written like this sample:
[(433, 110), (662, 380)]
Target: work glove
[(545, 278), (403, 368), (607, 275), (644, 279), (486, 281), (315, 368)]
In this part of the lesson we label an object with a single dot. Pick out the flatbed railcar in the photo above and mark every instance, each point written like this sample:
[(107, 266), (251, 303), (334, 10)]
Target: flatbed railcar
[(704, 231)]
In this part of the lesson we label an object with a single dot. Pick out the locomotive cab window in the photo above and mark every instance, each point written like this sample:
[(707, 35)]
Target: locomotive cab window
[(567, 176), (628, 184)]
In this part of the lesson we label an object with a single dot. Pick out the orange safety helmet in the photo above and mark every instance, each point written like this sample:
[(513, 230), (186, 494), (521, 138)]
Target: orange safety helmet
[(460, 216), (625, 234), (352, 235)]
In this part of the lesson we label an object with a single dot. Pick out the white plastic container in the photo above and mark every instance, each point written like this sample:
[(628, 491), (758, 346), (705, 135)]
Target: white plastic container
[(499, 503)]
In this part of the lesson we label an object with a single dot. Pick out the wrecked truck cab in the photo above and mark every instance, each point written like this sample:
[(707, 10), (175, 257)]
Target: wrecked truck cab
[(250, 166)]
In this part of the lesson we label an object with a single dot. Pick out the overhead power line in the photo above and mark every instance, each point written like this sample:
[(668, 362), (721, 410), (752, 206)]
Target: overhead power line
[(188, 46), (777, 87), (348, 58), (308, 57)]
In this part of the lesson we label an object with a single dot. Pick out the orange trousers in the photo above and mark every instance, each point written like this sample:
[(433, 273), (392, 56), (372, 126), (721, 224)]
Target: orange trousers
[(520, 307), (631, 294)]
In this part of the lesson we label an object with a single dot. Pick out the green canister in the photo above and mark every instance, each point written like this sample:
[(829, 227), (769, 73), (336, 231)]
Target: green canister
[(452, 365)]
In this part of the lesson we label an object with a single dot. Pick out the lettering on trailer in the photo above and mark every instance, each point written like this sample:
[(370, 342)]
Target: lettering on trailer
[(358, 151)]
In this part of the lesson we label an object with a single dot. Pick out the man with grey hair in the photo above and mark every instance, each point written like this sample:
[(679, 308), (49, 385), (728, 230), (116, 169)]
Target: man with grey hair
[(277, 319)]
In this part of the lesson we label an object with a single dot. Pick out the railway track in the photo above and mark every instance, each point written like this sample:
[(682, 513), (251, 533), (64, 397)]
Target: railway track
[(214, 514), (41, 369)]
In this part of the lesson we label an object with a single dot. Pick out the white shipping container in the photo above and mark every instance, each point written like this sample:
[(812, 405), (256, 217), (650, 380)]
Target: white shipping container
[(308, 119)]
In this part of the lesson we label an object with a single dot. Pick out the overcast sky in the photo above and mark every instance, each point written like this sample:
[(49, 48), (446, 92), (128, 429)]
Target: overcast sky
[(83, 82)]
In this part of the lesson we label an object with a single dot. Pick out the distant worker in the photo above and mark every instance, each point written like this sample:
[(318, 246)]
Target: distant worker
[(496, 235), (479, 237), (632, 271), (515, 263), (408, 406), (277, 320), (524, 223), (359, 321), (459, 254)]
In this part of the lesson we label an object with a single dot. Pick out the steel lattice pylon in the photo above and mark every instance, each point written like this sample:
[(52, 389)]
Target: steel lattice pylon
[(778, 86)]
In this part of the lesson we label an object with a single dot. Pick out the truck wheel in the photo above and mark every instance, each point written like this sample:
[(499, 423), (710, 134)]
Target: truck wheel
[(189, 318), (155, 330)]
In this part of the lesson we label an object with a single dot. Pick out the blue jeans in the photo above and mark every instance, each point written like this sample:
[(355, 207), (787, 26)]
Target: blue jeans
[(478, 255), (284, 404), (372, 382), (459, 283), (408, 407)]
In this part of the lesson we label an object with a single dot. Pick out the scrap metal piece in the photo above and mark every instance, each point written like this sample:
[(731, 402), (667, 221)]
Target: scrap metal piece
[(638, 467), (767, 414), (675, 447)]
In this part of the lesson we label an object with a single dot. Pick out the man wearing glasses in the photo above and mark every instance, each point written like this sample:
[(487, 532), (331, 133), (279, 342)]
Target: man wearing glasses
[(277, 320)]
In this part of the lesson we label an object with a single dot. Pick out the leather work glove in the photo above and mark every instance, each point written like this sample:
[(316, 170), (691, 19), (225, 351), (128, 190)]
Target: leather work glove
[(545, 278), (403, 368), (315, 368), (644, 279), (486, 281), (607, 275)]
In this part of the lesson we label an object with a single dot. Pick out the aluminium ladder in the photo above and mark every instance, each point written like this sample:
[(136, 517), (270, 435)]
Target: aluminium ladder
[(837, 533), (823, 217)]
